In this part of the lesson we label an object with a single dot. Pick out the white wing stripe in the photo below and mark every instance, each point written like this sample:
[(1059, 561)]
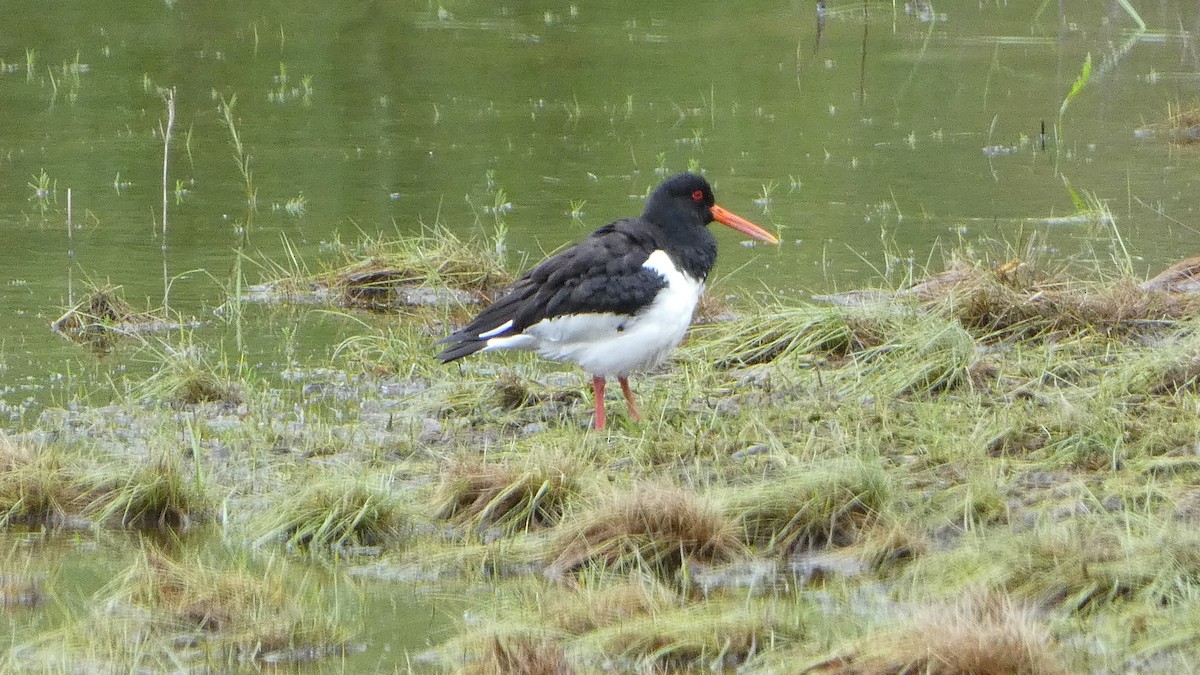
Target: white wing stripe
[(497, 330)]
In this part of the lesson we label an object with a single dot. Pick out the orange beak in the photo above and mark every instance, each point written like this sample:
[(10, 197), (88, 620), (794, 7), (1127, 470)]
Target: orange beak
[(742, 225)]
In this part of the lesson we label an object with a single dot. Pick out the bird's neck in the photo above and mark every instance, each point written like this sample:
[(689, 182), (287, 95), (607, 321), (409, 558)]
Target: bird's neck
[(693, 251)]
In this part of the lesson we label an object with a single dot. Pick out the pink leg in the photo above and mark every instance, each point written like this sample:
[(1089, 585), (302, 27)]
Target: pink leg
[(598, 394), (633, 411)]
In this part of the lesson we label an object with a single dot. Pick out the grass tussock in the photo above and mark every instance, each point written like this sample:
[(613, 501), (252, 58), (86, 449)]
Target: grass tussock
[(521, 654), (826, 503), (334, 515), (509, 496), (1081, 567), (989, 303), (656, 527), (607, 600), (717, 635), (184, 376), (46, 487), (37, 486), (155, 495), (435, 267), (1182, 277), (985, 634), (1059, 309), (168, 615)]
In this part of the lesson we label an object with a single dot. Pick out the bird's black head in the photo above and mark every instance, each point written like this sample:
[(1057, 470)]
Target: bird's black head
[(685, 201), (682, 199)]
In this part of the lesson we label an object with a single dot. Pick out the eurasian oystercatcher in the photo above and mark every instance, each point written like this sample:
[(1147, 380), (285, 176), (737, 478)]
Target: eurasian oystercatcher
[(618, 301)]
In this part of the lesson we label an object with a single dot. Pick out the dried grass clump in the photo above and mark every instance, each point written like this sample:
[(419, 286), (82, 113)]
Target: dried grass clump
[(717, 635), (1058, 309), (826, 503), (507, 496), (1077, 566), (1182, 277), (523, 655), (986, 634), (605, 604), (659, 528), (39, 488), (101, 315), (1017, 300), (436, 267)]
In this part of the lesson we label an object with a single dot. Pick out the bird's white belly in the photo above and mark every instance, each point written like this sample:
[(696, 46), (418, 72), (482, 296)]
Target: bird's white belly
[(612, 345)]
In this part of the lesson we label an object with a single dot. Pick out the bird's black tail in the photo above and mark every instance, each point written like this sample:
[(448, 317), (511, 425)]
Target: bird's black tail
[(460, 347)]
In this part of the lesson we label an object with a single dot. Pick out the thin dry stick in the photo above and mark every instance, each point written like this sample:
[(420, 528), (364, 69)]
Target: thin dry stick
[(70, 254), (169, 97)]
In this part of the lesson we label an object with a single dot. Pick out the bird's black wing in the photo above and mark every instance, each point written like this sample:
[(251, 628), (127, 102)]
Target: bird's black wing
[(602, 274)]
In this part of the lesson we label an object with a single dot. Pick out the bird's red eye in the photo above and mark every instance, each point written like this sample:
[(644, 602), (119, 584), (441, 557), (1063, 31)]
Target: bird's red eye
[(698, 196)]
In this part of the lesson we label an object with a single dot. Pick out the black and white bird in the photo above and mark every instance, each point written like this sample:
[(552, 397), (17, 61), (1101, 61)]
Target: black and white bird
[(617, 302)]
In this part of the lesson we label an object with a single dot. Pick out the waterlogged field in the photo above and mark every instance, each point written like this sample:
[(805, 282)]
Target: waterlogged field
[(948, 426)]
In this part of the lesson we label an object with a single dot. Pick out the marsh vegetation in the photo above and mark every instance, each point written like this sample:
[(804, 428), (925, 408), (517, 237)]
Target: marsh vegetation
[(988, 470), (950, 426)]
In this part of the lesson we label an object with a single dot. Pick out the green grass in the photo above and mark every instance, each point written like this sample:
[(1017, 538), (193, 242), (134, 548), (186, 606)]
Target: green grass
[(186, 375), (49, 486), (825, 503), (334, 515)]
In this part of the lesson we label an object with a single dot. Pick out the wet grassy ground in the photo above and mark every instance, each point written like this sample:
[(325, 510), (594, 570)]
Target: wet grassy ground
[(991, 470)]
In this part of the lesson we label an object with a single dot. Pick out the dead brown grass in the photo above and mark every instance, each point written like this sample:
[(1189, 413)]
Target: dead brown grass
[(20, 591), (1053, 309), (1182, 277), (380, 285), (1183, 124), (824, 503), (521, 656), (656, 527), (986, 634)]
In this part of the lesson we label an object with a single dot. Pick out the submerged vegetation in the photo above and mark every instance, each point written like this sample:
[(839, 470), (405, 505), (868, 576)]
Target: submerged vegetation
[(102, 315), (988, 470)]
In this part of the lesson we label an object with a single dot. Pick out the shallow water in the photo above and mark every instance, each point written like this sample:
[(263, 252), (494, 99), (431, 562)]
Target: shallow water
[(852, 136)]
